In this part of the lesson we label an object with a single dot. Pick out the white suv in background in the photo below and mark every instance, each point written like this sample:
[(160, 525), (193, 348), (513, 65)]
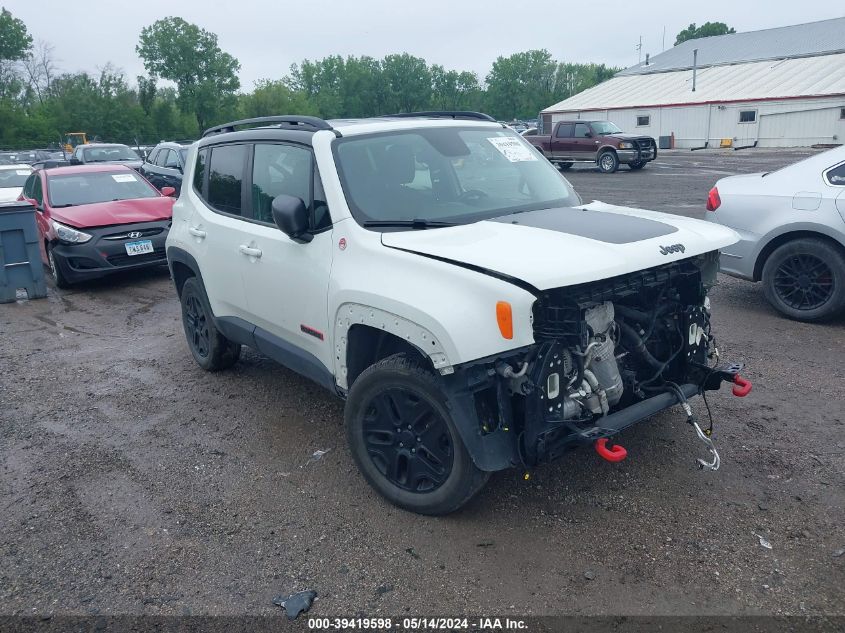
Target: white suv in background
[(440, 275)]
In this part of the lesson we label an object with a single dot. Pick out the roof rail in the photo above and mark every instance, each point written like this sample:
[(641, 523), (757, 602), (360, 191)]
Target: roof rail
[(442, 114), (293, 120)]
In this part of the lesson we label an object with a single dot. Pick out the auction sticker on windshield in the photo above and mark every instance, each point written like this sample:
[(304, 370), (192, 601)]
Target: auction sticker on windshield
[(512, 149), (139, 248), (123, 177)]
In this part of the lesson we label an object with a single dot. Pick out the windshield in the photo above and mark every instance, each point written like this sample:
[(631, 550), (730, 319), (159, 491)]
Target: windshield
[(446, 175), (13, 177), (90, 188), (605, 127), (109, 153)]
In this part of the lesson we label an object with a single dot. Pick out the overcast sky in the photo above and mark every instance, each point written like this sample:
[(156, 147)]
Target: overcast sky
[(268, 36)]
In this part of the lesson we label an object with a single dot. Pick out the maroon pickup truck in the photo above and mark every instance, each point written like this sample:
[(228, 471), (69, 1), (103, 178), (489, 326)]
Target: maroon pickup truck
[(599, 142)]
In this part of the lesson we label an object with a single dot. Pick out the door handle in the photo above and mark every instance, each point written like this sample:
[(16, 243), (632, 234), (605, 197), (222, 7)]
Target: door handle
[(197, 232), (249, 252)]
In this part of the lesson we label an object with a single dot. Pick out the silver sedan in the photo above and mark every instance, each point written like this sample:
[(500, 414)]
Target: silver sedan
[(792, 225)]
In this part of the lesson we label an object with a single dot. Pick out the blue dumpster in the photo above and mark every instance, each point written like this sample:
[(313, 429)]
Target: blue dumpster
[(20, 258)]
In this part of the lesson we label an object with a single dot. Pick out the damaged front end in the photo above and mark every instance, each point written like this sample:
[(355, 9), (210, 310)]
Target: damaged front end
[(607, 354)]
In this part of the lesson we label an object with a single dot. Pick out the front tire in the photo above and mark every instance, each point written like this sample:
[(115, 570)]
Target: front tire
[(404, 441), (55, 270), (805, 279), (211, 350), (608, 162)]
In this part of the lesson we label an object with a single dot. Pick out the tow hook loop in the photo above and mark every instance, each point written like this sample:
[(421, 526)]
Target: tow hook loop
[(614, 454), (742, 387)]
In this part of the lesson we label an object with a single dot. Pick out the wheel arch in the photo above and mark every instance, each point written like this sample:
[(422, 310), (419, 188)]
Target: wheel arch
[(364, 335), (789, 236), (182, 266)]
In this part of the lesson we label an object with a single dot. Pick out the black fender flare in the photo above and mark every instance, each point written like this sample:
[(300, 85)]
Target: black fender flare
[(176, 254)]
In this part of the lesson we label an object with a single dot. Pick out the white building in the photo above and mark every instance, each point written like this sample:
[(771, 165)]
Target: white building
[(776, 88)]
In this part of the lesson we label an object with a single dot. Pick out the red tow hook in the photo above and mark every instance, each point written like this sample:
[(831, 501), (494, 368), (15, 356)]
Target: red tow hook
[(614, 454), (742, 386)]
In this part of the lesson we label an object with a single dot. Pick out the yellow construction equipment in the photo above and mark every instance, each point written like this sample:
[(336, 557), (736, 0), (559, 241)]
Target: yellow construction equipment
[(72, 139)]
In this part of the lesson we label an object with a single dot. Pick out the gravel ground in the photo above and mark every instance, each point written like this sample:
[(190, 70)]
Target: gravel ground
[(133, 482)]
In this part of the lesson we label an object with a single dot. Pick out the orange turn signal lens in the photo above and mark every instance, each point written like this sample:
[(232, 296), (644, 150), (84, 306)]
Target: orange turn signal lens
[(504, 316)]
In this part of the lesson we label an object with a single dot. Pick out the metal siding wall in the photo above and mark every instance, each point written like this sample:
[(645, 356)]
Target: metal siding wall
[(789, 123)]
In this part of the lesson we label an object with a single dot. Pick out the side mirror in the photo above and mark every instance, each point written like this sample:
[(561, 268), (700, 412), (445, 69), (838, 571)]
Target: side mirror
[(588, 135), (170, 192), (291, 216), (75, 161)]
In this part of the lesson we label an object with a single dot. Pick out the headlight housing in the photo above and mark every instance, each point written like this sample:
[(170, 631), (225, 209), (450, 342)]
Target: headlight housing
[(625, 145), (70, 235)]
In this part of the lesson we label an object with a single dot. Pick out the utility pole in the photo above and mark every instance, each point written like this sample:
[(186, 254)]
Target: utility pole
[(640, 50), (664, 37)]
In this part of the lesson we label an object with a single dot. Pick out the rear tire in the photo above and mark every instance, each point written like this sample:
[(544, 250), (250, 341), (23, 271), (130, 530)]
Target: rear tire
[(404, 441), (608, 162), (208, 346), (805, 279)]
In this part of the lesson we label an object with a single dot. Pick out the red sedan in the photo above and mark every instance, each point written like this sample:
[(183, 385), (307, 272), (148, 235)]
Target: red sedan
[(95, 220)]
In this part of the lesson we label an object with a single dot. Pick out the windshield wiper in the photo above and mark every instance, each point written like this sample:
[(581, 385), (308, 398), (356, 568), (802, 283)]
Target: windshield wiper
[(61, 206), (418, 223)]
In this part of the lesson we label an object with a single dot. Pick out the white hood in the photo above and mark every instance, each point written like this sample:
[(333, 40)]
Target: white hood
[(562, 247), (10, 194)]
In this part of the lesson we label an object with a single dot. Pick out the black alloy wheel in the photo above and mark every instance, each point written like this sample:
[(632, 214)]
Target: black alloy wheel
[(805, 279), (195, 321), (408, 441), (804, 282), (211, 350)]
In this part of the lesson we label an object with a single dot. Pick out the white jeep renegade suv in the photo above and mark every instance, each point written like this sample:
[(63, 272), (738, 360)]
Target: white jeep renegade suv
[(439, 274)]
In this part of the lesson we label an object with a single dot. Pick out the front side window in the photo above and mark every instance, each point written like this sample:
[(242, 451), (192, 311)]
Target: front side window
[(582, 130), (446, 175), (747, 116), (278, 170), (225, 178), (836, 176), (37, 191), (73, 190)]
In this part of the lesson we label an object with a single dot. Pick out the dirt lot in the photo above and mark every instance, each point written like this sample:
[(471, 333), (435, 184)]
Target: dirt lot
[(133, 482)]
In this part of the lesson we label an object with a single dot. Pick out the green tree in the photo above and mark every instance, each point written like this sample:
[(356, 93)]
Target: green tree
[(205, 76), (708, 29), (407, 83), (15, 41), (521, 84), (275, 97), (147, 93)]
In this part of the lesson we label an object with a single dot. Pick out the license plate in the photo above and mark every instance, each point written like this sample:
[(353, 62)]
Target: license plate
[(139, 248)]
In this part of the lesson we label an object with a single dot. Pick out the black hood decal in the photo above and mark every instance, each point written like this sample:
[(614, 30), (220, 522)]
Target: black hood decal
[(602, 226)]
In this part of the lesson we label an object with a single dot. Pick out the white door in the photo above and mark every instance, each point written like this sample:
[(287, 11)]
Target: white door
[(217, 228), (286, 281)]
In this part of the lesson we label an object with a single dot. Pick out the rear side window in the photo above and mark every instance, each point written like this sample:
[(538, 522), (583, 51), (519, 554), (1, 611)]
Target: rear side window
[(836, 176), (199, 171), (565, 130), (226, 178), (27, 186), (161, 157)]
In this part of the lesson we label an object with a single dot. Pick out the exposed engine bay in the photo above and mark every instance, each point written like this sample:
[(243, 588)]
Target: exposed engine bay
[(607, 355)]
